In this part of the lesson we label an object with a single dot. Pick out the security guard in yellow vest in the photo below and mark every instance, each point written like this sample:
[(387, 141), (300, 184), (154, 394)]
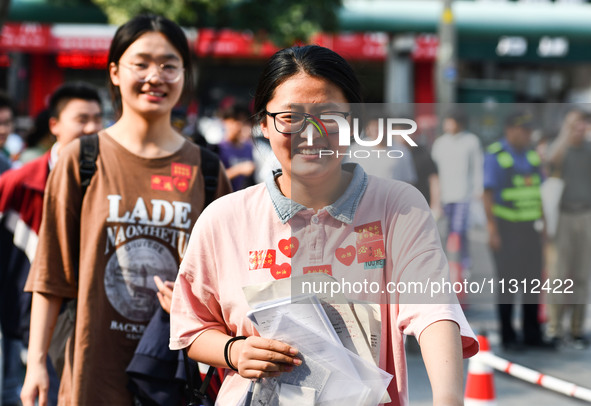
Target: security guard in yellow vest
[(513, 206)]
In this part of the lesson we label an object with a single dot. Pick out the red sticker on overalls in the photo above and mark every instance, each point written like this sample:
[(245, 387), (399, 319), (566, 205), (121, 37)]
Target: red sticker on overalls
[(327, 269), (371, 251), (261, 259)]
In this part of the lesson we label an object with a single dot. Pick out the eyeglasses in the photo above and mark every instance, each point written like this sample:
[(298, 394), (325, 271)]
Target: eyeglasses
[(167, 72), (293, 122)]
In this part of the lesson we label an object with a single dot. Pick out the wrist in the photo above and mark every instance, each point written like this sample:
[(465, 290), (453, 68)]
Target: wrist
[(36, 358), (235, 351), (232, 352)]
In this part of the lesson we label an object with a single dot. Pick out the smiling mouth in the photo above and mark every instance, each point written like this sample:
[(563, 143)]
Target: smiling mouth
[(155, 93), (309, 150)]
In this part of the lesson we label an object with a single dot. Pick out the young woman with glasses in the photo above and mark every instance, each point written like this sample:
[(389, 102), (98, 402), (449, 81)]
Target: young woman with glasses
[(304, 217), (116, 248)]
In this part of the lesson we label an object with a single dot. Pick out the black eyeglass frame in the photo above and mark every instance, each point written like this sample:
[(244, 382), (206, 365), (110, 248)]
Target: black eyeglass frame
[(345, 114)]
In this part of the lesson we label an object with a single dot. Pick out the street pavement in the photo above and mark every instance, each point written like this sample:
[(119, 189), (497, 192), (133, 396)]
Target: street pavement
[(566, 363)]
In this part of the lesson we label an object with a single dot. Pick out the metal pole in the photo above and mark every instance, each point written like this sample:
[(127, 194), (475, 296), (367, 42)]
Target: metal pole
[(446, 65), (399, 70)]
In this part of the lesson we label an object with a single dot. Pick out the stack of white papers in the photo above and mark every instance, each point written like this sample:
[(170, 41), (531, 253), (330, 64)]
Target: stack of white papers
[(330, 375)]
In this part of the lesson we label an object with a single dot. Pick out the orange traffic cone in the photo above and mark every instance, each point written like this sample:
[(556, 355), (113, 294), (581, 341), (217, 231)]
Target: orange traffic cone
[(480, 387)]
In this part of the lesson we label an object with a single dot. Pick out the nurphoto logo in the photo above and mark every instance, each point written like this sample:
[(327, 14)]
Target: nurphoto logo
[(387, 129)]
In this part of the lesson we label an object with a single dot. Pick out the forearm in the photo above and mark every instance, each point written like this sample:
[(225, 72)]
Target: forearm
[(434, 191), (442, 353), (44, 311), (232, 172), (254, 357), (245, 168), (487, 201), (209, 348), (557, 149), (478, 175)]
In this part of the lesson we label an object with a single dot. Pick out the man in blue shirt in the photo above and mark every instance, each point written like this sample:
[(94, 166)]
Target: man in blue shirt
[(513, 206)]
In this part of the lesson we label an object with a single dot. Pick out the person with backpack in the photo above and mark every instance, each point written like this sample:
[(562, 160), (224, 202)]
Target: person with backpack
[(74, 110), (115, 244), (315, 215)]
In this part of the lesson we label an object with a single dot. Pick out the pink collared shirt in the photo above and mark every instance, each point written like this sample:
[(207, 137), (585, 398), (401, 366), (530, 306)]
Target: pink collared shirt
[(239, 240)]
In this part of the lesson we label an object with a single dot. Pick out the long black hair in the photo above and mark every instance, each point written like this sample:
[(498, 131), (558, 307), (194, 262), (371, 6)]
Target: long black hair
[(129, 32)]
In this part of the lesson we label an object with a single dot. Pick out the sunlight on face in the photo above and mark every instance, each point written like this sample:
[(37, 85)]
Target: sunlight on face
[(153, 94), (297, 158)]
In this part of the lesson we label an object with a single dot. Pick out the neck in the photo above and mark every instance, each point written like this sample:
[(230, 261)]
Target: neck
[(47, 142), (146, 137), (518, 148), (317, 194), (235, 141)]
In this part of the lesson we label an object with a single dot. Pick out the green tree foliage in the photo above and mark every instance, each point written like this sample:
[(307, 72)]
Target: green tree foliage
[(283, 21)]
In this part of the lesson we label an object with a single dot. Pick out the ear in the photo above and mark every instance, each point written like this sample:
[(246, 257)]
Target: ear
[(53, 126), (265, 128), (114, 73)]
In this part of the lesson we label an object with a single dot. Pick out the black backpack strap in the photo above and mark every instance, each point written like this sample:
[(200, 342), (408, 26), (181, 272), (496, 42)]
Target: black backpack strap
[(196, 396), (89, 149), (210, 165)]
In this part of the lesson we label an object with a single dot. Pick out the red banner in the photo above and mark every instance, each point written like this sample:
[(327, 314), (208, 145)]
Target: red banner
[(27, 37), (233, 44), (71, 41), (425, 48)]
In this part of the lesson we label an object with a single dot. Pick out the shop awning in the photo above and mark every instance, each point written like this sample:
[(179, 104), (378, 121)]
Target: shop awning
[(472, 18), (41, 11)]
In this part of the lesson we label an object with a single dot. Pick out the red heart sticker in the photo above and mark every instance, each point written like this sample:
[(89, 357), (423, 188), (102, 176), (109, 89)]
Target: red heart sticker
[(346, 255), (182, 184), (281, 271), (289, 247)]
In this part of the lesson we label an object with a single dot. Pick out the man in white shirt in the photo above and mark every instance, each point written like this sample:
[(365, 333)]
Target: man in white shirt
[(458, 157)]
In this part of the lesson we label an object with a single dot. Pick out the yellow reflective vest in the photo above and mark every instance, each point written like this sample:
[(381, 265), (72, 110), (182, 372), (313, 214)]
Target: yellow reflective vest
[(520, 198)]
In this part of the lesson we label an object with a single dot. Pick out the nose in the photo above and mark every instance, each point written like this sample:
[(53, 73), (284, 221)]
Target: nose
[(310, 132), (151, 76), (153, 73)]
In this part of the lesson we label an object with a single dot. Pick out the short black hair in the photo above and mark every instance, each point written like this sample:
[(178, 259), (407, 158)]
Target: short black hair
[(236, 110), (40, 129), (6, 103), (458, 116), (69, 91), (520, 118), (129, 32), (313, 60)]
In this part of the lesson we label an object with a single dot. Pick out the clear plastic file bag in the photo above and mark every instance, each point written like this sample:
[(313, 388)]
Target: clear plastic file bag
[(330, 374)]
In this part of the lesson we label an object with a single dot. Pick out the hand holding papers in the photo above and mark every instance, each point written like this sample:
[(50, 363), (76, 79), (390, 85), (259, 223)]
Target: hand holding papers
[(330, 374), (347, 324)]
